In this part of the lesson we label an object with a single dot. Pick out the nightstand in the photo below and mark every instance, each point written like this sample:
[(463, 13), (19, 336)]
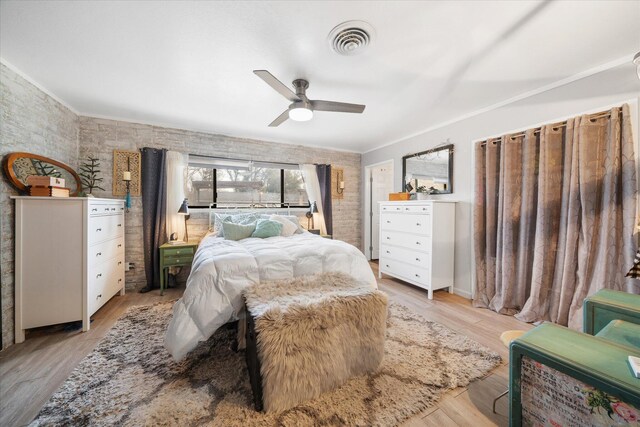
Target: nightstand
[(175, 255)]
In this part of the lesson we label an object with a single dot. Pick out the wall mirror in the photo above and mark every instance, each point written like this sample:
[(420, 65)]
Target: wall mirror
[(18, 166), (429, 171)]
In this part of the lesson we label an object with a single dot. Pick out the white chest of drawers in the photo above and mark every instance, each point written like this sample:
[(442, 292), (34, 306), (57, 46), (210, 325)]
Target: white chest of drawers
[(417, 242), (69, 259)]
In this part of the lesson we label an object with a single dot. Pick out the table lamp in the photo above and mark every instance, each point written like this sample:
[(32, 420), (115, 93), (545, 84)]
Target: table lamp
[(313, 208), (184, 210)]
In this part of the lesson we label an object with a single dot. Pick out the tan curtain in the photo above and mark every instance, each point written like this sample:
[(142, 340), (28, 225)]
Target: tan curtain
[(554, 217)]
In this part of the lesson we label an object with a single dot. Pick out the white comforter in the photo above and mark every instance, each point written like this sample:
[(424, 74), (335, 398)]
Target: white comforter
[(223, 268)]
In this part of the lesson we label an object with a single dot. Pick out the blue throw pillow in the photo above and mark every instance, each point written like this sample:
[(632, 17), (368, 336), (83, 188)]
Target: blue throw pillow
[(267, 228), (237, 231)]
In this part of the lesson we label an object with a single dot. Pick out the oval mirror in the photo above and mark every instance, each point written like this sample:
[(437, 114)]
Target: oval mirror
[(18, 166)]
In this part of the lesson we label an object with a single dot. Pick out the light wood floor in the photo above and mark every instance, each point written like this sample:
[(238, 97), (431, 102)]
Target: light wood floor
[(31, 372)]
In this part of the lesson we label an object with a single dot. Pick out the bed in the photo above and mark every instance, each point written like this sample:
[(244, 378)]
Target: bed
[(222, 269)]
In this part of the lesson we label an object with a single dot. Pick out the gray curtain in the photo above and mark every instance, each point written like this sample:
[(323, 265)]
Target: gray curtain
[(554, 217), (154, 193), (324, 177)]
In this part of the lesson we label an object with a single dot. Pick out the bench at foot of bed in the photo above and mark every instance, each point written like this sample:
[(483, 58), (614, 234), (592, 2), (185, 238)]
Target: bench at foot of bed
[(310, 335)]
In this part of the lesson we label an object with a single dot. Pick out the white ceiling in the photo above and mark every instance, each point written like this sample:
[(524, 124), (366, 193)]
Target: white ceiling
[(189, 64)]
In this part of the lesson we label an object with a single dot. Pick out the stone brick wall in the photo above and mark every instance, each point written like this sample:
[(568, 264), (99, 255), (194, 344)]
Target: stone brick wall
[(30, 121), (99, 137)]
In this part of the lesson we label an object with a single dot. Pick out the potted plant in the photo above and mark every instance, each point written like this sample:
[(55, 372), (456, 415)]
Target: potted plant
[(89, 176)]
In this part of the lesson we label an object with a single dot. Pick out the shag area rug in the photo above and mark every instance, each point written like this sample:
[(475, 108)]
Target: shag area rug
[(129, 379)]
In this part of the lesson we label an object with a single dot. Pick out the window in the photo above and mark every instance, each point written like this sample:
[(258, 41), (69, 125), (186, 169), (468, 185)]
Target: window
[(227, 182)]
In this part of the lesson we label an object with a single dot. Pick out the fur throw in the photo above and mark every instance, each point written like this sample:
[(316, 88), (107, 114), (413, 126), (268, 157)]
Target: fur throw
[(314, 333)]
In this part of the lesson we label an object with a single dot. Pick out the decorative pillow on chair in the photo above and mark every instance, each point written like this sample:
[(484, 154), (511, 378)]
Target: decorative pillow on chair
[(267, 228), (288, 227), (237, 231)]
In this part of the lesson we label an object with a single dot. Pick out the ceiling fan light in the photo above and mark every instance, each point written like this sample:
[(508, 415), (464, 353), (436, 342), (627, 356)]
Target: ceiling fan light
[(300, 114)]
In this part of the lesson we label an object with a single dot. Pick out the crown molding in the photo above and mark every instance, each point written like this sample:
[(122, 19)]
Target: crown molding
[(627, 59), (38, 85)]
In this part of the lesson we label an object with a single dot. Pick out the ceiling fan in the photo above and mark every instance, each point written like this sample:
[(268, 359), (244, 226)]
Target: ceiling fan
[(302, 108)]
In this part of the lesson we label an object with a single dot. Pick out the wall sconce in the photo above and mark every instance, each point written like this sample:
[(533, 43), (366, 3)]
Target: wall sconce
[(126, 177), (340, 181)]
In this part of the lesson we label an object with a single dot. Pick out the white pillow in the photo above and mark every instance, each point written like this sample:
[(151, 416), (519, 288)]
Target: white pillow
[(288, 227)]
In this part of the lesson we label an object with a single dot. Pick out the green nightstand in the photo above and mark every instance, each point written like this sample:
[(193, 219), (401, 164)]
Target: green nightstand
[(175, 255)]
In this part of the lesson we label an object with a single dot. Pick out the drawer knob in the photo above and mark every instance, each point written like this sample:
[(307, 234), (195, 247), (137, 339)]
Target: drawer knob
[(397, 209), (417, 275), (119, 280), (99, 254), (119, 262), (120, 245), (177, 260), (106, 209), (387, 265), (418, 259), (94, 210), (388, 252), (406, 209), (98, 275), (418, 243), (119, 225), (121, 209), (388, 238), (388, 222), (418, 224), (98, 229), (113, 209)]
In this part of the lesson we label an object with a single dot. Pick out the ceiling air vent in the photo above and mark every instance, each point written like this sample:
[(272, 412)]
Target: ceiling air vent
[(351, 37)]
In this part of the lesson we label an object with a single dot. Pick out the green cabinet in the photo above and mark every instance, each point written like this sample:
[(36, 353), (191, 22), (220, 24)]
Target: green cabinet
[(175, 255), (607, 305), (595, 361)]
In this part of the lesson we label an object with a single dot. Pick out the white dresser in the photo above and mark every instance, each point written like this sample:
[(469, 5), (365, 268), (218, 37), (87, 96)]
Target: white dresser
[(417, 242), (69, 259)]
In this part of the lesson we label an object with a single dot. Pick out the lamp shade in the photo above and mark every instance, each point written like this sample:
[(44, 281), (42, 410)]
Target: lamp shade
[(184, 208)]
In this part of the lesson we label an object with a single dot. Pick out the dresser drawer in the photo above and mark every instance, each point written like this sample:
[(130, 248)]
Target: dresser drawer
[(104, 281), (419, 259), (406, 208), (107, 227), (418, 275), (105, 208), (409, 241), (101, 252), (408, 223)]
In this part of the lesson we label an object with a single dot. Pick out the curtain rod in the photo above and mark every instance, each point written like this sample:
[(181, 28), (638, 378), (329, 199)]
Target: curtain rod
[(240, 160), (556, 126)]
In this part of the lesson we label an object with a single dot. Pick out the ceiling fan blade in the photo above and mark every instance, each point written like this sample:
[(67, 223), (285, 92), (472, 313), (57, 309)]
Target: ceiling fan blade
[(339, 107), (280, 119), (277, 85)]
